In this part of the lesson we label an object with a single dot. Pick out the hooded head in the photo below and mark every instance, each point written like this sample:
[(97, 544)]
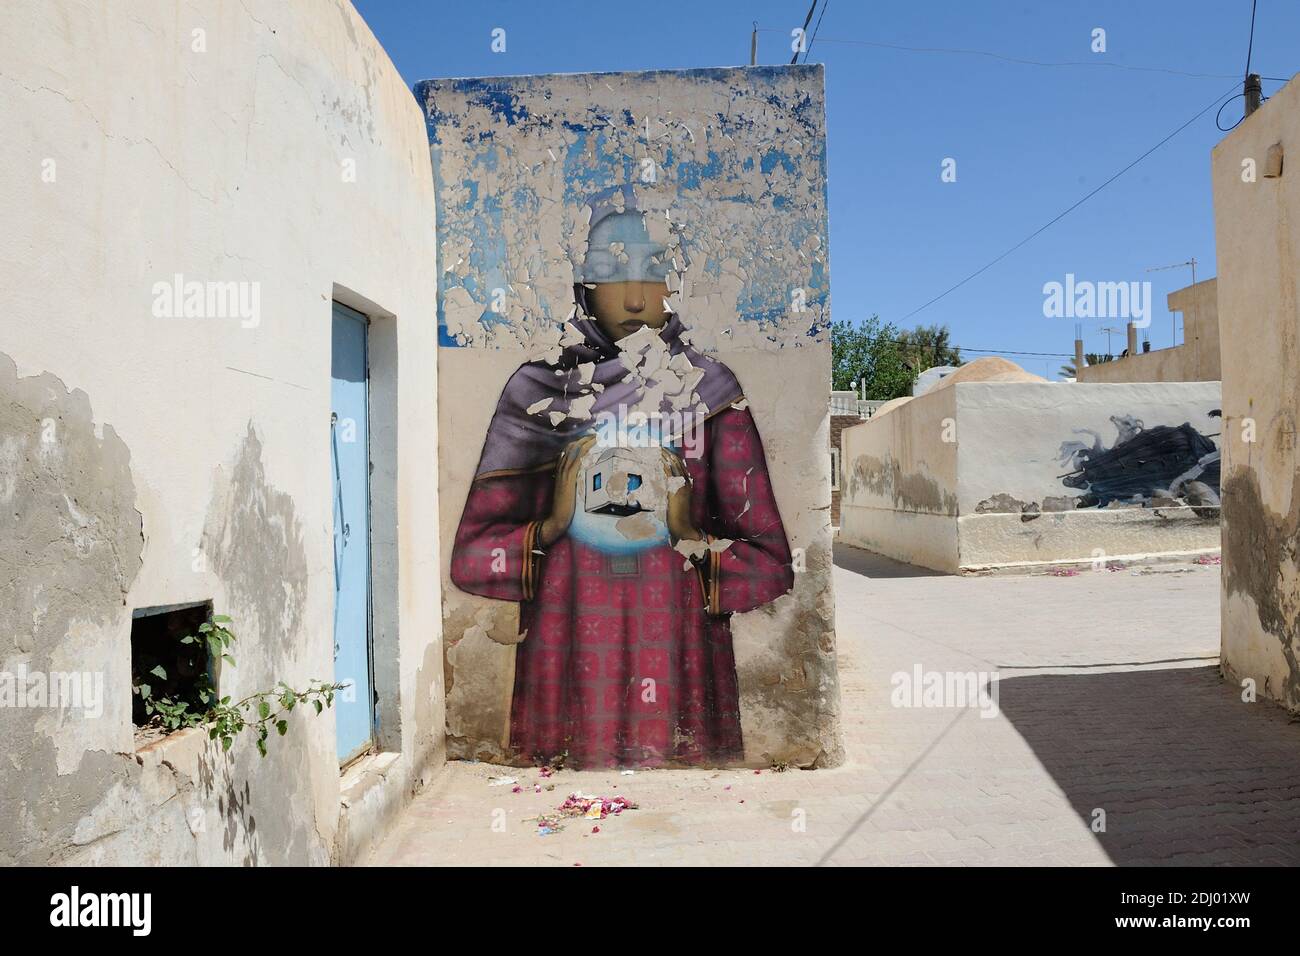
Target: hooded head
[(622, 282)]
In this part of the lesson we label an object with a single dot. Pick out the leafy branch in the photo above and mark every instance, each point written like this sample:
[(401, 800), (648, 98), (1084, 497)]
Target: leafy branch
[(225, 719)]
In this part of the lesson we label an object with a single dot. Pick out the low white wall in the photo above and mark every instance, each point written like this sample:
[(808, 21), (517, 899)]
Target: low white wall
[(969, 476), (1014, 507), (265, 142), (898, 490)]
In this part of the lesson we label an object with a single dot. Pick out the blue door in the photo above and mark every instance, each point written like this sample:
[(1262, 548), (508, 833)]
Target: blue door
[(350, 481)]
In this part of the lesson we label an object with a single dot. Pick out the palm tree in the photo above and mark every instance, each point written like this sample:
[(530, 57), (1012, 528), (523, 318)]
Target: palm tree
[(927, 346), (1092, 358)]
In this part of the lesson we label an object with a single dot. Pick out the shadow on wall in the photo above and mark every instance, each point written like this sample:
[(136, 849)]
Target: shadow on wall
[(872, 565), (1187, 773)]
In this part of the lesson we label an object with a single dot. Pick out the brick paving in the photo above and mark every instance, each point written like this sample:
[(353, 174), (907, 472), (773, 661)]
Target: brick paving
[(1109, 699)]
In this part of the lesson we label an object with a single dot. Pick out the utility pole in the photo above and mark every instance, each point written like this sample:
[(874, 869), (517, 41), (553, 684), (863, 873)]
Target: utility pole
[(1254, 92)]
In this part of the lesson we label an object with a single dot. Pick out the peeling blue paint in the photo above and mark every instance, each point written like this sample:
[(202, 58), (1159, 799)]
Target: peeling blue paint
[(601, 143)]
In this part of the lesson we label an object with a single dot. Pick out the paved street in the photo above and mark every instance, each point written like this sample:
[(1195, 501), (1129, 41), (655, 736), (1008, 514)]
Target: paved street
[(1109, 700)]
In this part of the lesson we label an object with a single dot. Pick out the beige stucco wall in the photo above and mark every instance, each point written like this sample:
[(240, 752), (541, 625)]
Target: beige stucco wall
[(898, 490), (1196, 359), (967, 477), (1257, 232), (190, 457)]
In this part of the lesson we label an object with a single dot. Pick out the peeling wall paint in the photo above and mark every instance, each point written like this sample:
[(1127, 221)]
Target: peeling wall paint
[(72, 547), (725, 170), (1257, 237), (203, 474), (254, 538), (737, 157)]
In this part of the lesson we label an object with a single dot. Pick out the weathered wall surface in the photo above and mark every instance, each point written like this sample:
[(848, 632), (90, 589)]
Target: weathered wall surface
[(1195, 360), (898, 494), (1017, 441), (1257, 233), (148, 460), (734, 160), (972, 475)]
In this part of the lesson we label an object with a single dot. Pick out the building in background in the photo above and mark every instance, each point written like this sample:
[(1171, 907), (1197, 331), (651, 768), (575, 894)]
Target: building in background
[(997, 468), (1195, 360)]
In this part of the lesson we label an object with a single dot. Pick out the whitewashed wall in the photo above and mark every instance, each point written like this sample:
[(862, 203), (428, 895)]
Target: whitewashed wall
[(968, 476), (191, 458)]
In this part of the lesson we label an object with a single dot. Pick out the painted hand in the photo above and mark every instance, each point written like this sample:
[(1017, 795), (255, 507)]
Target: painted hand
[(680, 526), (565, 497)]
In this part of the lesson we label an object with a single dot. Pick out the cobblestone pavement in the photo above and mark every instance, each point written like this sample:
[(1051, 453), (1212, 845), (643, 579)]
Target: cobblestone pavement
[(1109, 699)]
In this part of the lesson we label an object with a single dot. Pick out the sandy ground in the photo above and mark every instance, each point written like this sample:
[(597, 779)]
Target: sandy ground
[(1114, 740)]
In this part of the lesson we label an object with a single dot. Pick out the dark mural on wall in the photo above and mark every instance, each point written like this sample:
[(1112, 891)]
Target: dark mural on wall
[(1164, 463)]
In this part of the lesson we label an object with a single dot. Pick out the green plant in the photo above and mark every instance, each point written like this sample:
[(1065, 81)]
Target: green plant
[(225, 719)]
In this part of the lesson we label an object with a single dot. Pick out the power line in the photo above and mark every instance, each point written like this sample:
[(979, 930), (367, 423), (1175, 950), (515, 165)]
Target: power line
[(1053, 221), (1025, 62), (911, 343), (803, 33), (962, 348), (1251, 45), (816, 29)]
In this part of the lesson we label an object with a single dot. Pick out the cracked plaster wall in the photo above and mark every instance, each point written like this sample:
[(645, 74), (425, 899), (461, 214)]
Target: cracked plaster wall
[(1257, 233), (191, 459), (738, 159)]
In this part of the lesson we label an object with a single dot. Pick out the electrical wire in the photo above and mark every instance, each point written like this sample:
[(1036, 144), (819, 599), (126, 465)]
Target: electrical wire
[(806, 20), (1218, 115), (1250, 46), (963, 348), (1061, 215), (1025, 62), (816, 29)]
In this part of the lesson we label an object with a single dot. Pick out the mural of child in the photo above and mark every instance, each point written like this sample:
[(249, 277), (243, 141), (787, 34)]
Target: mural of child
[(622, 497)]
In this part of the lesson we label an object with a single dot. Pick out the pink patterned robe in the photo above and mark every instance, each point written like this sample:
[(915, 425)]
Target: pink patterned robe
[(627, 660)]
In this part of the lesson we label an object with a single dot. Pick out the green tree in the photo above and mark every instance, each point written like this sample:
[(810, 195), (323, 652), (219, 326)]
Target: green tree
[(869, 352), (927, 346)]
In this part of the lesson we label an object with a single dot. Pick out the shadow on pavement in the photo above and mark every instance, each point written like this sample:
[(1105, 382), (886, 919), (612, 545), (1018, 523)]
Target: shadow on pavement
[(1187, 773), (872, 565)]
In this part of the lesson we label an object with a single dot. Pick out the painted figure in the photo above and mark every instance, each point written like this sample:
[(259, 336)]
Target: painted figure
[(623, 499), (1144, 463)]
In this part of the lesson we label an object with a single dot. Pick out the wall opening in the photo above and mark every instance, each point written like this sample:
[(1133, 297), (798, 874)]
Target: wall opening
[(167, 671)]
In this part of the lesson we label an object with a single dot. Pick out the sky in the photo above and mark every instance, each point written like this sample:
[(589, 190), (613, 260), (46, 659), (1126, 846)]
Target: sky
[(1028, 141)]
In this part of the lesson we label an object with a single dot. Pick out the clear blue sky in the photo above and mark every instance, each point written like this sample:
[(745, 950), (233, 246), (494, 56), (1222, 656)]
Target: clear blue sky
[(1028, 140)]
